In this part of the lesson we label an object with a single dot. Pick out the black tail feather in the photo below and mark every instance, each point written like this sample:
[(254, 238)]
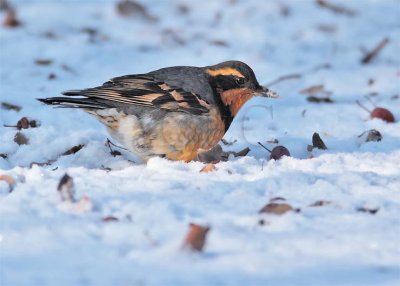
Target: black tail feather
[(76, 92), (73, 102)]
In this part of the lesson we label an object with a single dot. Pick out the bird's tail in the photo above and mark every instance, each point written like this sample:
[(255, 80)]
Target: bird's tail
[(70, 102)]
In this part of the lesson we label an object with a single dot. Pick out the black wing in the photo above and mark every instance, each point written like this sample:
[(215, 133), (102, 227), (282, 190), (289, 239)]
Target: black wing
[(138, 90)]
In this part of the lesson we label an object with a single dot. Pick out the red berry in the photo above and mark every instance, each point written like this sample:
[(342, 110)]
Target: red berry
[(382, 113), (278, 152)]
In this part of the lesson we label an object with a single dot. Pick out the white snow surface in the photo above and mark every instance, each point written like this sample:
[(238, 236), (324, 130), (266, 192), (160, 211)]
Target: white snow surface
[(46, 242)]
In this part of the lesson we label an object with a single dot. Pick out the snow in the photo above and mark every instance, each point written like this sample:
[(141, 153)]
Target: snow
[(44, 241)]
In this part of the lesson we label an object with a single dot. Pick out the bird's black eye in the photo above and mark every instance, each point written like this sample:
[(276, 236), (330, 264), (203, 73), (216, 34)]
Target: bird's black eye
[(239, 81)]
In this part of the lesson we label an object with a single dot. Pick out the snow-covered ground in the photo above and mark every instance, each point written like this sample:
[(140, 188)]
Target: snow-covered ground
[(46, 242)]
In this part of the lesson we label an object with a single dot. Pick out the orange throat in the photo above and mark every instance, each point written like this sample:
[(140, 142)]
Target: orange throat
[(236, 98)]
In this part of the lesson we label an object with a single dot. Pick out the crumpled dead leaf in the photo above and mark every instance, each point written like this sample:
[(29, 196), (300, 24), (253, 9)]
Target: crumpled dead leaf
[(196, 237), (277, 208)]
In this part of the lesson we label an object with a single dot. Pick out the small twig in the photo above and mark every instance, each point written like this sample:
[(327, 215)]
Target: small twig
[(336, 8), (370, 100), (109, 142), (362, 106), (283, 78), (259, 143), (372, 54)]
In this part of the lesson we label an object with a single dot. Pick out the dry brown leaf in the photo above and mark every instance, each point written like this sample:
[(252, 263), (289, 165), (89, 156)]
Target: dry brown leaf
[(9, 106), (9, 180), (368, 210), (196, 237), (372, 135), (241, 153), (73, 150), (130, 8), (43, 62), (316, 99), (320, 203), (109, 219), (317, 142), (374, 52), (20, 139), (66, 188), (277, 208), (313, 89), (11, 20), (208, 168), (336, 8)]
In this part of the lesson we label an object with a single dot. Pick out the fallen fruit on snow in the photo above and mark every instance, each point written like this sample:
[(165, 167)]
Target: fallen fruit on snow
[(25, 123), (382, 113), (277, 152), (379, 112), (196, 237)]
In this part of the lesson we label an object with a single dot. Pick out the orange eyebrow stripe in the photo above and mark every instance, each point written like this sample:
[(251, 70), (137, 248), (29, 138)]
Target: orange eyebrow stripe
[(224, 71)]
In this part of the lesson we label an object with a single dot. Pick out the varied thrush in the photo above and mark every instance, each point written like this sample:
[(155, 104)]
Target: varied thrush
[(173, 112)]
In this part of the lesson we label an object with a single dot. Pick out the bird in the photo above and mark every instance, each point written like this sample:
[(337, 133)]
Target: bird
[(174, 112)]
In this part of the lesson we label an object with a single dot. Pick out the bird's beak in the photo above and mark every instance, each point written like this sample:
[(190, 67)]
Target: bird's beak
[(265, 92)]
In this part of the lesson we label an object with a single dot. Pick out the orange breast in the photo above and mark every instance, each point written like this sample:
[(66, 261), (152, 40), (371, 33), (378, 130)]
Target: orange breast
[(182, 136)]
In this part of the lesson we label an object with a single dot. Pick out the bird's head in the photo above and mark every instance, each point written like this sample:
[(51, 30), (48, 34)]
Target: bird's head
[(236, 83)]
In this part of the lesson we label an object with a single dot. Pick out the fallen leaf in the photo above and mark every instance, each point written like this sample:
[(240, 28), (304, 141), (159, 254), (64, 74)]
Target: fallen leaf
[(368, 210), (196, 237), (9, 106), (313, 89), (109, 219), (25, 123), (277, 208), (20, 139), (43, 62), (66, 188), (241, 153), (336, 8), (213, 155), (372, 135), (317, 142), (73, 150), (11, 20), (369, 56), (130, 8), (320, 203), (315, 99), (208, 168), (9, 180), (220, 43)]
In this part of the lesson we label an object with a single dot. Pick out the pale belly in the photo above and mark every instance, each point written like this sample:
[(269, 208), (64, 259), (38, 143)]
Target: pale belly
[(176, 136)]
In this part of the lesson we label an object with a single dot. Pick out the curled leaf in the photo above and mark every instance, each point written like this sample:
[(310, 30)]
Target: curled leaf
[(66, 188), (317, 142), (196, 237), (277, 208), (208, 168), (20, 139)]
